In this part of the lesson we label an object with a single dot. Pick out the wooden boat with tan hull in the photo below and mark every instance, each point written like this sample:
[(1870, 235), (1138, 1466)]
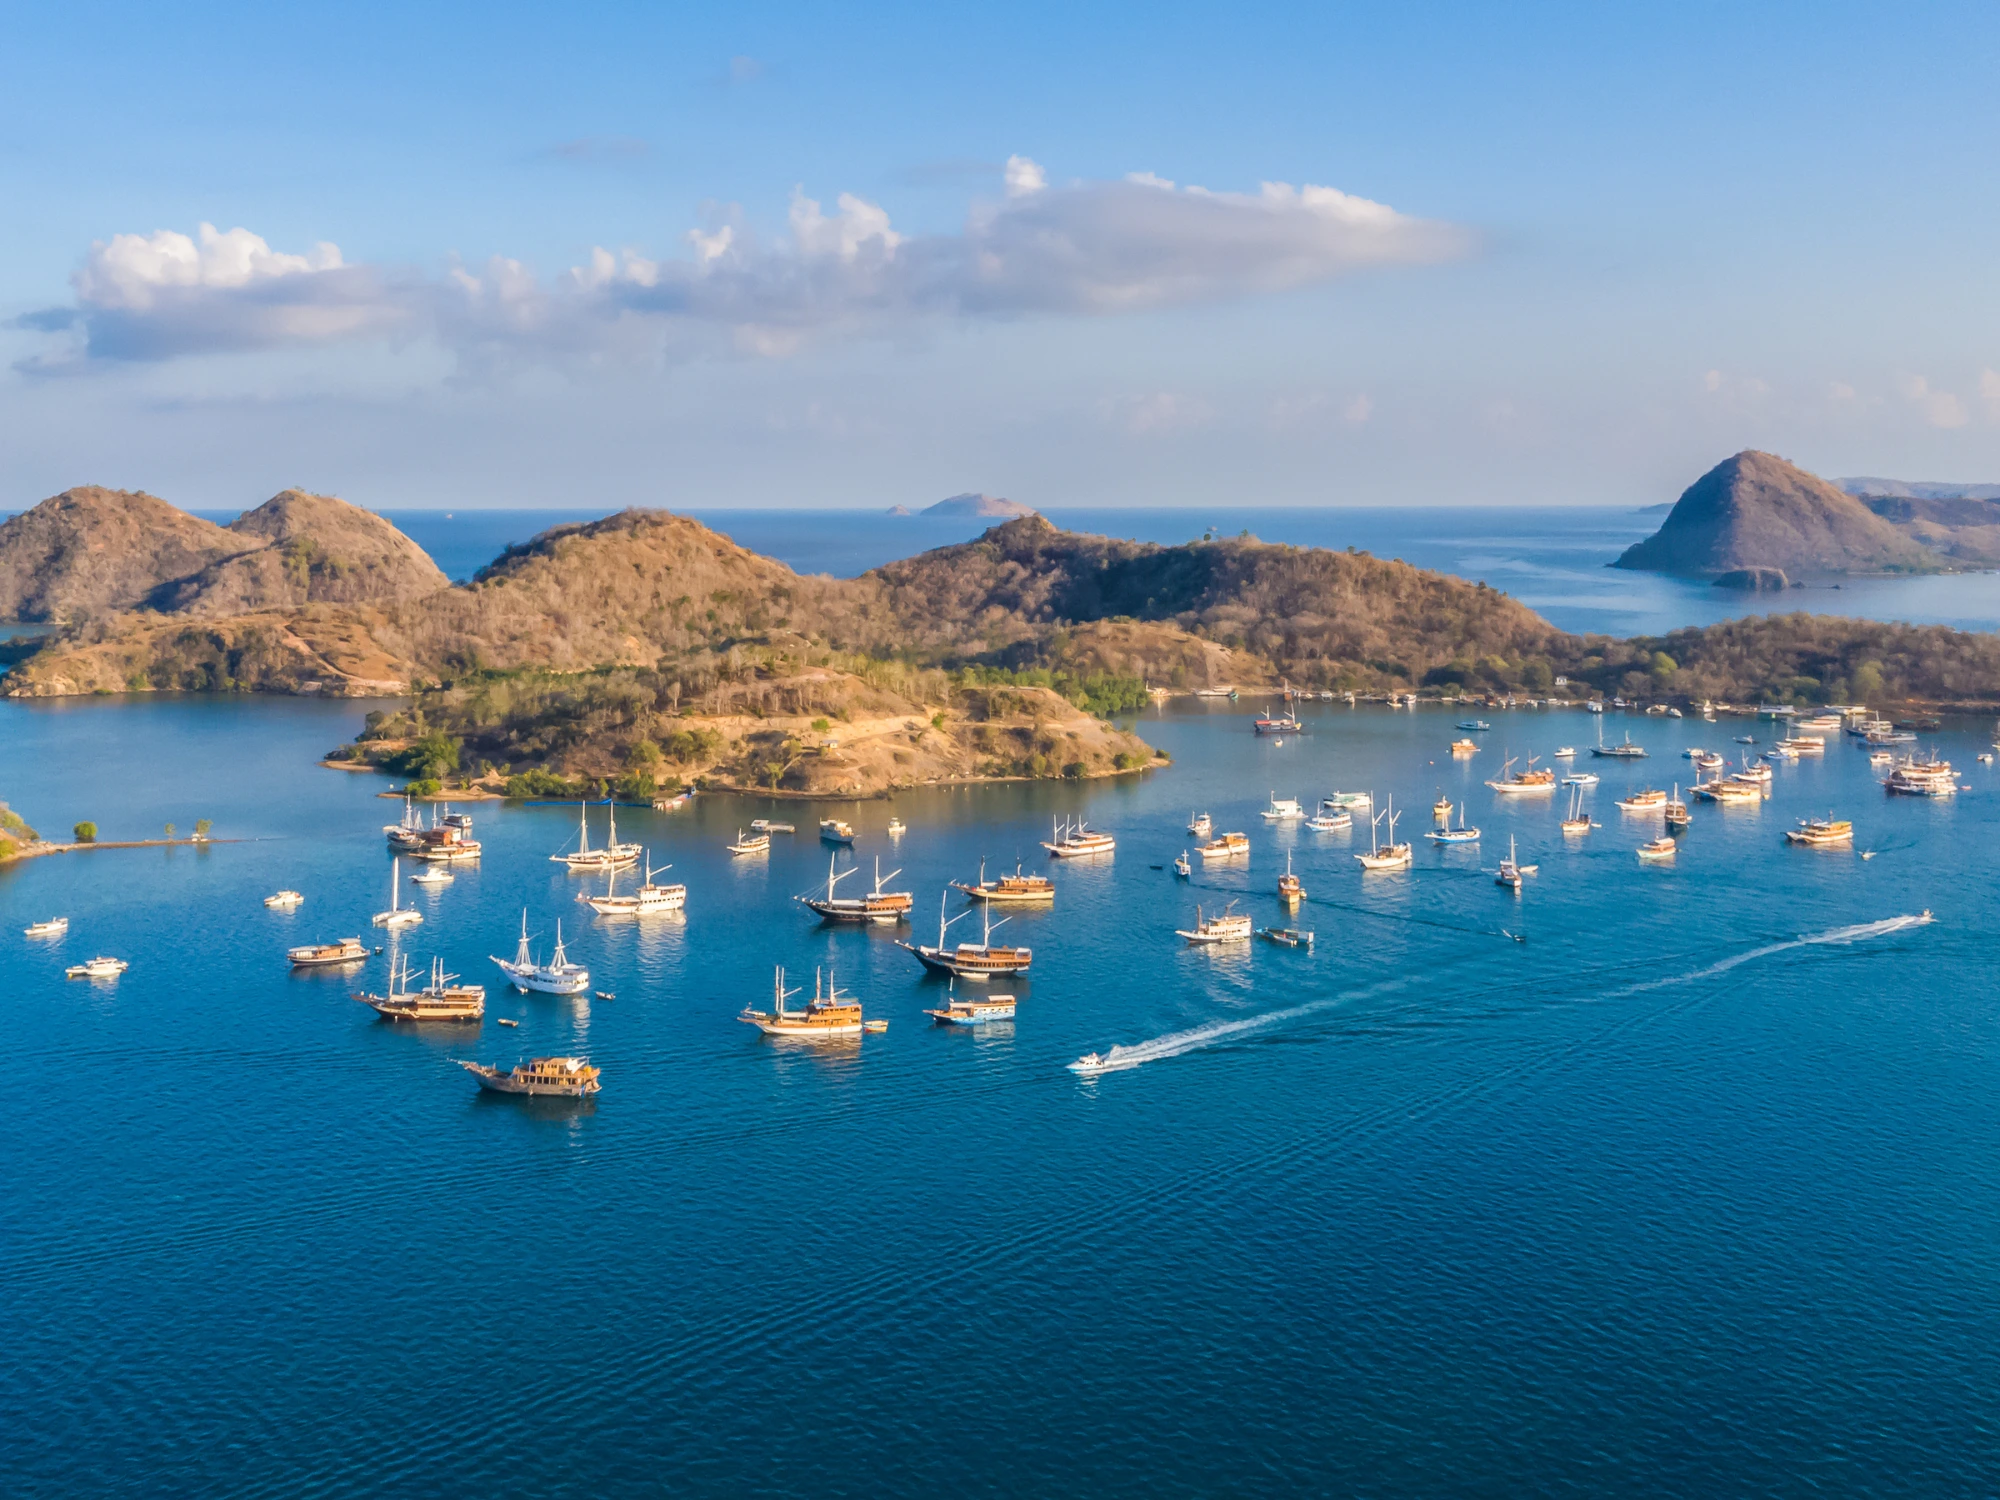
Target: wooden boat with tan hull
[(829, 1015), (440, 1000), (327, 955), (878, 908), (558, 1077), (1010, 890), (980, 960)]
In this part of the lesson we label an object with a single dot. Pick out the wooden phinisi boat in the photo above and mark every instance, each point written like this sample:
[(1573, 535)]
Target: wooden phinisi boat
[(1227, 928), (980, 960), (440, 1000), (613, 856), (878, 908), (327, 955), (828, 1016), (1821, 833), (1010, 890), (649, 900), (558, 1077), (1225, 846), (1073, 840)]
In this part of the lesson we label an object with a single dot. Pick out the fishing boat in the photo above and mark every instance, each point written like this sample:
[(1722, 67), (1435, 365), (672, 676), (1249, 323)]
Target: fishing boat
[(1325, 821), (440, 1000), (398, 915), (834, 831), (649, 900), (1565, 752), (327, 955), (959, 1010), (1450, 835), (97, 968), (1208, 931), (1075, 840), (1476, 725), (1286, 937), (897, 828), (556, 977), (878, 908), (1580, 778), (756, 843), (556, 1077), (1290, 891), (1389, 856), (613, 856), (1530, 780), (1821, 832), (1010, 890), (1511, 869), (1678, 816), (1648, 801), (1578, 821), (1182, 868), (1283, 809), (765, 825), (1922, 778), (1226, 846), (1279, 724), (54, 927), (1465, 747), (1347, 801), (432, 875), (1441, 809), (1662, 848), (1200, 824), (980, 960), (285, 901)]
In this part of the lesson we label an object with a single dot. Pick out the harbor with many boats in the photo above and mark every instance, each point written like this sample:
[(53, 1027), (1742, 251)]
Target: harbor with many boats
[(1402, 971)]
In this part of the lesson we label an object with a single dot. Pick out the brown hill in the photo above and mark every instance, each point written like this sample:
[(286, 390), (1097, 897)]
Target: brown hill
[(91, 550), (1757, 511), (311, 549)]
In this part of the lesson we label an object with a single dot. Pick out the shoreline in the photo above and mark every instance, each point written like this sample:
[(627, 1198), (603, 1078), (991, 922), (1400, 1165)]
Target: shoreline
[(39, 849)]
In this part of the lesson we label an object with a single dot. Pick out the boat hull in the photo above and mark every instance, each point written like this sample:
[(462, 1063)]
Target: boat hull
[(949, 963)]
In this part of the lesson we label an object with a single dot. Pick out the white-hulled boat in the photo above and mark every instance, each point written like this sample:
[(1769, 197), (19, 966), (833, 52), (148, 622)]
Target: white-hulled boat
[(833, 831), (432, 875), (1324, 821), (1577, 821), (650, 900), (765, 825), (1092, 1063), (440, 1000), (1923, 778), (583, 858), (1623, 750), (1648, 801), (1660, 849), (1450, 835), (398, 915), (829, 1016), (1389, 856), (1565, 752), (1283, 809), (1225, 846), (1199, 825), (878, 908), (556, 977), (980, 960), (1511, 869), (1227, 928), (54, 927), (897, 828), (756, 843), (97, 968), (540, 1077), (410, 832), (1073, 840), (327, 955), (1580, 778), (1182, 868), (285, 901), (958, 1010), (1530, 780), (1347, 801), (1821, 833)]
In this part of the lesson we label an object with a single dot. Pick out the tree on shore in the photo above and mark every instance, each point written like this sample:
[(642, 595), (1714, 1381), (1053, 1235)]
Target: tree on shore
[(201, 827), (86, 833), (170, 833)]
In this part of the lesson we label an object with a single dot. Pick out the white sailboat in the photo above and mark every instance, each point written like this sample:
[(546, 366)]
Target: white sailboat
[(1389, 856), (556, 977), (648, 901), (398, 915), (613, 856)]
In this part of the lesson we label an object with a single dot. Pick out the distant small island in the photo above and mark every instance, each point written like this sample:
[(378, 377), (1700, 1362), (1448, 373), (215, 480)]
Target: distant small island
[(984, 507)]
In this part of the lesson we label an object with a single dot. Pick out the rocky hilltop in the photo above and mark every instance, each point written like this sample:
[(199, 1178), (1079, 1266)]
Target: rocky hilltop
[(91, 550), (1756, 511), (309, 549), (1964, 528)]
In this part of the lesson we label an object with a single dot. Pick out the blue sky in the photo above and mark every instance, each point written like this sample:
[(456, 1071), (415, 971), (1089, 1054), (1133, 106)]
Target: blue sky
[(601, 255)]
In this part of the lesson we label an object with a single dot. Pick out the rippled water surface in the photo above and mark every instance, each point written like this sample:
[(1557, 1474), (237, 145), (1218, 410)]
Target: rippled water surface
[(1692, 1192)]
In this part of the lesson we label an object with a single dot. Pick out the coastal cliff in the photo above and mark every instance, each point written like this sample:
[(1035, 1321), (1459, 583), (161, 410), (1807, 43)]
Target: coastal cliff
[(1756, 511)]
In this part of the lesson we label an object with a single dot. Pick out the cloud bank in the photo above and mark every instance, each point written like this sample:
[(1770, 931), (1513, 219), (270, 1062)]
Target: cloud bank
[(1088, 248)]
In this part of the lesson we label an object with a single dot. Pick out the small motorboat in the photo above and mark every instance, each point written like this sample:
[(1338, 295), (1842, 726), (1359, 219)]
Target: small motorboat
[(1746, 739), (505, 1022), (834, 831), (1182, 868), (98, 968), (605, 995), (1565, 752), (1475, 725), (1580, 778), (285, 901), (765, 825), (1091, 1064), (1658, 849), (432, 875), (54, 927), (897, 828)]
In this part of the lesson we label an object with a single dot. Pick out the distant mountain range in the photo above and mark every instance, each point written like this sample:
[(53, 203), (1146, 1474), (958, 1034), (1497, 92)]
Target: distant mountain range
[(1918, 489)]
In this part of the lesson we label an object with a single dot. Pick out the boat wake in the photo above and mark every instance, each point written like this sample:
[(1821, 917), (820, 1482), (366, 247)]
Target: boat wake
[(1861, 932), (1174, 1043)]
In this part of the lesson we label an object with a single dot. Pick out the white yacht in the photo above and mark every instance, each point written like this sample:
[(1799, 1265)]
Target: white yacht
[(648, 901), (398, 915), (1230, 927), (54, 927), (98, 968), (556, 977), (285, 901), (1283, 809)]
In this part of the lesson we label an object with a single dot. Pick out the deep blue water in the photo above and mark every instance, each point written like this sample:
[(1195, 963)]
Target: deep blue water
[(1693, 1192)]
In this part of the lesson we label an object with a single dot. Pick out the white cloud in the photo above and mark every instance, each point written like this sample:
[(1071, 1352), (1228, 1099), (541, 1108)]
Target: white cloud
[(1939, 408), (1078, 249)]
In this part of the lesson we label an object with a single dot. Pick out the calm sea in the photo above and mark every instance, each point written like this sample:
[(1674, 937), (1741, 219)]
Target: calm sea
[(1693, 1192)]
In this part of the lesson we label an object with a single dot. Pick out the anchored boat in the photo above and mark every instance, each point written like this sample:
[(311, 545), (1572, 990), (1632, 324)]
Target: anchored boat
[(1199, 825), (1821, 833), (327, 955), (1662, 848), (613, 856), (1290, 891), (398, 915), (1283, 809), (1578, 821), (285, 901), (958, 1010), (1450, 835), (97, 968), (833, 831), (440, 1000), (1279, 724), (1286, 937), (1389, 856), (980, 960), (54, 927), (1530, 780), (1227, 846), (556, 977), (561, 1077), (879, 908), (756, 843), (1010, 890), (1227, 928), (648, 901), (1073, 840), (828, 1016)]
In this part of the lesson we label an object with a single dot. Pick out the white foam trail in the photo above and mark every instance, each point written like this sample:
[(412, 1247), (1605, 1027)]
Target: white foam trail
[(1174, 1043), (1858, 933)]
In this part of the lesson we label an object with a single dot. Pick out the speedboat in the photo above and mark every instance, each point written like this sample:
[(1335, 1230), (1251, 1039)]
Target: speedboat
[(431, 875), (1580, 778), (1091, 1064), (1565, 752), (285, 901), (897, 828), (1746, 739), (54, 927)]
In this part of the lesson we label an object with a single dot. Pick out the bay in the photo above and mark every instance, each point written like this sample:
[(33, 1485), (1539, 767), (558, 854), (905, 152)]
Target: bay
[(1690, 1192)]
